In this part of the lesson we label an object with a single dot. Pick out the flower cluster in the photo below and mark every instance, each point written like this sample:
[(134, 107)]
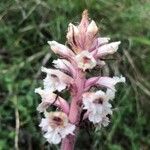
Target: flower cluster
[(84, 51)]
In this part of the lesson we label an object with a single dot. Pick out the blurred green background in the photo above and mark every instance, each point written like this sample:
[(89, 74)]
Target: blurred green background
[(25, 28)]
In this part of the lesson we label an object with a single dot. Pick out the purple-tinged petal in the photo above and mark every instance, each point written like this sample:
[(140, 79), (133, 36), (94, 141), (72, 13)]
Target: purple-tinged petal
[(109, 82), (90, 82), (84, 22)]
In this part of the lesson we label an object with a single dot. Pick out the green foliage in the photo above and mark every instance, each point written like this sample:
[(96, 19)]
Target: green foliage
[(25, 27)]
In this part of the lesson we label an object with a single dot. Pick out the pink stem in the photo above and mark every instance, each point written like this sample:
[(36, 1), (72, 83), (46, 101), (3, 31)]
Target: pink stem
[(74, 114), (68, 143), (74, 111)]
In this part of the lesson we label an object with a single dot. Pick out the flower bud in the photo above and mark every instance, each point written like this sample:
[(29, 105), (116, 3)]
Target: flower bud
[(92, 28)]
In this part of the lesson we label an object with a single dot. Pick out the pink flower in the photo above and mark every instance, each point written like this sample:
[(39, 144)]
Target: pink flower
[(49, 99), (60, 49), (109, 82), (107, 49), (97, 105), (56, 127), (85, 60), (65, 66), (56, 80), (84, 51), (81, 37), (106, 82)]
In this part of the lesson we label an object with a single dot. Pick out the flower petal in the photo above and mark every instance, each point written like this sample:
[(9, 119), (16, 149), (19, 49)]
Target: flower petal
[(53, 137), (44, 124), (84, 22), (64, 65), (110, 94), (85, 60), (61, 49), (49, 98), (108, 49), (92, 28), (109, 82), (103, 40), (64, 78), (72, 33), (67, 130), (90, 82)]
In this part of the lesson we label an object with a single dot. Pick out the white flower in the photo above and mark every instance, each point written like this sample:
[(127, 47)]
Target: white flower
[(85, 60), (98, 106), (56, 127), (55, 80)]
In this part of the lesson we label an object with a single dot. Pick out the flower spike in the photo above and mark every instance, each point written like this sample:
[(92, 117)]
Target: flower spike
[(86, 99)]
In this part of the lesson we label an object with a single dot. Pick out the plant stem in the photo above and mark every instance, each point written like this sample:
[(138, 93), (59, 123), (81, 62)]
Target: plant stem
[(68, 142), (74, 114)]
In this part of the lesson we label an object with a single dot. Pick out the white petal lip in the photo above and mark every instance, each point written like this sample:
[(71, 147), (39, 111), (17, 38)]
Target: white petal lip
[(44, 124), (61, 49), (94, 118), (69, 129), (90, 96), (53, 137), (107, 49), (110, 94)]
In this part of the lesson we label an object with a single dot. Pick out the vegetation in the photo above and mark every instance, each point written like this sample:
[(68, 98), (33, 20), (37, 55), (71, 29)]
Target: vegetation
[(25, 28)]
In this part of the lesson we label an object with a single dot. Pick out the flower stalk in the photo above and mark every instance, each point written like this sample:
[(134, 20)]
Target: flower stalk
[(86, 51)]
